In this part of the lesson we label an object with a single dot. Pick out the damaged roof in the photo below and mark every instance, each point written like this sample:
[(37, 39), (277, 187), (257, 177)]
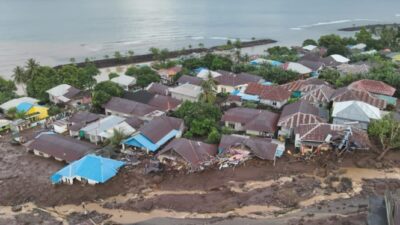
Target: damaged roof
[(319, 94), (253, 119), (157, 88), (61, 147), (300, 112), (262, 148), (83, 117), (164, 103), (318, 132), (301, 85), (194, 152)]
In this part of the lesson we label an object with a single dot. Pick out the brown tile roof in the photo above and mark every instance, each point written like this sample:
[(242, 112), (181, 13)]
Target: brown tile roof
[(260, 147), (319, 131), (300, 112), (274, 93), (253, 119), (190, 80), (72, 92), (129, 107), (319, 94), (164, 103), (346, 94), (373, 86), (231, 79), (157, 88), (194, 152), (65, 148), (156, 129), (300, 85)]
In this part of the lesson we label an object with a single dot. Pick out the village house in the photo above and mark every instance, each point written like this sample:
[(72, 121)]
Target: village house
[(5, 125), (154, 134), (335, 60), (319, 96), (357, 48), (13, 103), (237, 148), (127, 108), (274, 96), (355, 113), (91, 169), (167, 75), (297, 68), (229, 82), (185, 153), (346, 94), (157, 89), (310, 48), (315, 66), (160, 102), (252, 121), (295, 114), (299, 87), (377, 88), (262, 61), (33, 112), (204, 73), (99, 131), (65, 94), (60, 147), (353, 69), (79, 120), (124, 81), (186, 92), (321, 137), (186, 79)]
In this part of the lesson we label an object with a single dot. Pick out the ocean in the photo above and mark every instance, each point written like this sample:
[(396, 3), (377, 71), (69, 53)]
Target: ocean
[(53, 31)]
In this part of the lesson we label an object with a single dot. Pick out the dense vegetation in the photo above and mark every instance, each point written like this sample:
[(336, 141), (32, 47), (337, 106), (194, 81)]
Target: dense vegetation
[(7, 89), (144, 75)]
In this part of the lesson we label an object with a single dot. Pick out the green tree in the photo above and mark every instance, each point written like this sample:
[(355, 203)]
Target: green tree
[(118, 56), (387, 132), (72, 60), (131, 53), (31, 68), (44, 79), (214, 136), (199, 117), (104, 91), (310, 42), (363, 36), (201, 45), (117, 138), (7, 89), (209, 93), (329, 75), (112, 75), (144, 75), (334, 44)]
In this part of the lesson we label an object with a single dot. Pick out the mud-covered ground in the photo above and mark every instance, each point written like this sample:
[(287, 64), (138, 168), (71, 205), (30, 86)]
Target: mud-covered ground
[(291, 192)]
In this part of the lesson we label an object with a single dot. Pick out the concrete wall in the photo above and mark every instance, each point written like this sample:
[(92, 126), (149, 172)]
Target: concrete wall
[(277, 104), (353, 123), (183, 97)]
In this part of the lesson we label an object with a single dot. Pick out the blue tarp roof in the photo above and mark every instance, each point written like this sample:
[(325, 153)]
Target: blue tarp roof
[(141, 141), (246, 97), (198, 70), (90, 167), (24, 107)]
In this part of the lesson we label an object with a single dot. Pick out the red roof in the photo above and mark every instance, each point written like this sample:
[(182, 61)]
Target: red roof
[(346, 94), (373, 86), (301, 85), (275, 93)]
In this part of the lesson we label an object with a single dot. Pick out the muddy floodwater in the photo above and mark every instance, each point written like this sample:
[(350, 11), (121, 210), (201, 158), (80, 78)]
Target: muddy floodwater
[(291, 192)]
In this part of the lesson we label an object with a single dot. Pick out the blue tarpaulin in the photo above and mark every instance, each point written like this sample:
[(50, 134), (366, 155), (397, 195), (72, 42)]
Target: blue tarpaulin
[(24, 107), (246, 97), (90, 167)]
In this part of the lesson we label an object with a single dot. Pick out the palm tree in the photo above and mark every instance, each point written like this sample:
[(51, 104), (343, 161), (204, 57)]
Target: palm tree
[(201, 45), (31, 68), (117, 138), (209, 90), (19, 75)]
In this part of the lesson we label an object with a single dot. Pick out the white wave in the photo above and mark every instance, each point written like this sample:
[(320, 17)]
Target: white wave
[(197, 38), (220, 38), (331, 23)]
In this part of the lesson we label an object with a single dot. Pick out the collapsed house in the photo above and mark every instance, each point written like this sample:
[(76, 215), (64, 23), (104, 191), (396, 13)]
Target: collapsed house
[(235, 149), (184, 153), (324, 136)]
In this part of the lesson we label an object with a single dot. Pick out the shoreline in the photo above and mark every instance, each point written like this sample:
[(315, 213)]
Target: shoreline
[(113, 62), (370, 26)]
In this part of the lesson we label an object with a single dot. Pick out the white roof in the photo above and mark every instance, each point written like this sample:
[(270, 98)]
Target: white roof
[(124, 80), (356, 110), (310, 47), (102, 125), (359, 46), (187, 89), (15, 102), (59, 90), (123, 127), (298, 68), (203, 74), (340, 58), (4, 122)]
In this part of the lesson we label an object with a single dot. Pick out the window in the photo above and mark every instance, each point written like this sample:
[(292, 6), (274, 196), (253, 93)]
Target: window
[(274, 103), (231, 125), (223, 90)]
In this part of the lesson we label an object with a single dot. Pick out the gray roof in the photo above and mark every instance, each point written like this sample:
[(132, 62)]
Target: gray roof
[(190, 80), (104, 124), (156, 129), (129, 107)]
